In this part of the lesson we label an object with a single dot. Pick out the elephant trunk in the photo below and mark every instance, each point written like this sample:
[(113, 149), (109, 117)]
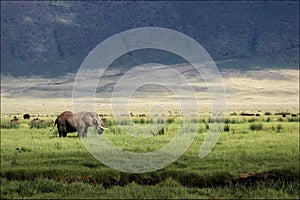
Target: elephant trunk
[(95, 128)]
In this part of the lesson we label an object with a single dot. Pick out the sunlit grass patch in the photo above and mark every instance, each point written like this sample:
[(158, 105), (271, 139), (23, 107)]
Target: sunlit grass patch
[(41, 161)]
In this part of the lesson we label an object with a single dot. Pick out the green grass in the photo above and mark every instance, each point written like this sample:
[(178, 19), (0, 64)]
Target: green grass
[(245, 163)]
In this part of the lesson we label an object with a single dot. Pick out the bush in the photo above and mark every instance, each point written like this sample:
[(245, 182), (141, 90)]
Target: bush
[(161, 131), (9, 125), (294, 119), (195, 120), (215, 120), (252, 120), (170, 120), (284, 114), (160, 121), (207, 126), (226, 128), (231, 121), (268, 113), (142, 121), (233, 114), (201, 130), (41, 124), (280, 119), (268, 119), (279, 128), (256, 127)]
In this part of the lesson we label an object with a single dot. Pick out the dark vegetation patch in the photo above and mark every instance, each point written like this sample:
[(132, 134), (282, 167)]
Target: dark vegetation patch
[(109, 178), (9, 125), (256, 126)]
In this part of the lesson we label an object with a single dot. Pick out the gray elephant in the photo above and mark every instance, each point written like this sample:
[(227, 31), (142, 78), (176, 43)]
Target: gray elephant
[(68, 122)]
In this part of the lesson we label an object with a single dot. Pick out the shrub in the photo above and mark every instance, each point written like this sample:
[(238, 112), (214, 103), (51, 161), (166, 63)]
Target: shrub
[(9, 125), (227, 121), (201, 130), (230, 121), (39, 125), (206, 126), (161, 131), (280, 119), (160, 121), (195, 120), (268, 113), (284, 114), (279, 128), (252, 120), (294, 119), (256, 127), (170, 120), (142, 121), (226, 128), (215, 120)]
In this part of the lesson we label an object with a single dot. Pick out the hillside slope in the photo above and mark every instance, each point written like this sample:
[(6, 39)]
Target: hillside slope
[(53, 38)]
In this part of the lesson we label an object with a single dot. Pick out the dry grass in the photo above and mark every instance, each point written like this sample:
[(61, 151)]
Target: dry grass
[(265, 90)]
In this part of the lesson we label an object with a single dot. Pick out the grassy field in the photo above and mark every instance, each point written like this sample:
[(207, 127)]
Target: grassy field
[(255, 157)]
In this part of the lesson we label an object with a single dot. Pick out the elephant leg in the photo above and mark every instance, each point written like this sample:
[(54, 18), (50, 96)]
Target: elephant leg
[(62, 130), (85, 132), (80, 132)]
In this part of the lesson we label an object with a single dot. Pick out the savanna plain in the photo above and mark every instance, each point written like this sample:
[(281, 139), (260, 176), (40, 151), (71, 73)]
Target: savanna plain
[(254, 157)]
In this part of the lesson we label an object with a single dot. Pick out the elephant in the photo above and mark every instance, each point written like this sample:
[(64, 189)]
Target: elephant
[(26, 116), (68, 122)]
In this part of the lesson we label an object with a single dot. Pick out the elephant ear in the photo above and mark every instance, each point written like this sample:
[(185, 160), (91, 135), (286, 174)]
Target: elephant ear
[(87, 118)]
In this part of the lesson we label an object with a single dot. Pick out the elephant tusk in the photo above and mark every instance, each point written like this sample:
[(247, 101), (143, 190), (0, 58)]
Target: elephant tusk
[(102, 127)]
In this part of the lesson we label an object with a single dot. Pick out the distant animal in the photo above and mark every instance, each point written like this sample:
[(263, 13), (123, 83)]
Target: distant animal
[(247, 114), (35, 122), (26, 116), (40, 123), (68, 122), (15, 120)]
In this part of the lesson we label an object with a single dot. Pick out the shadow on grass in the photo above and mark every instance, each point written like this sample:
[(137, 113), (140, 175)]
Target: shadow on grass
[(109, 177)]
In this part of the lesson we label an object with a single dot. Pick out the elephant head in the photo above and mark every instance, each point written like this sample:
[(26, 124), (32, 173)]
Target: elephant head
[(92, 118)]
